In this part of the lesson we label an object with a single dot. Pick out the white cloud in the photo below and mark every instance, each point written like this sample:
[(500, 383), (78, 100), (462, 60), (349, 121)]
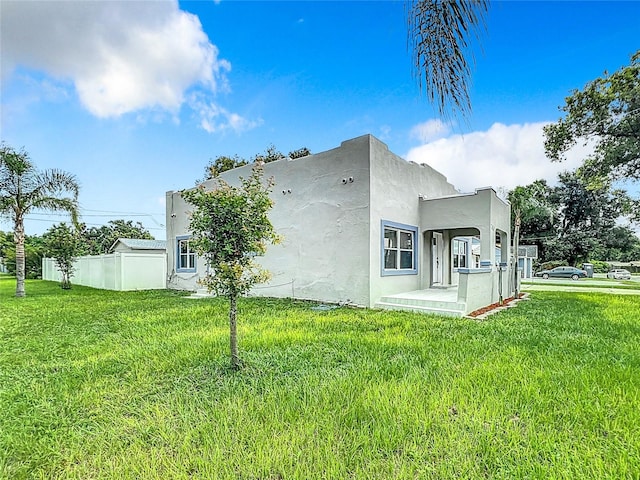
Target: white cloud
[(121, 56), (215, 119), (504, 156), (429, 130), (385, 132)]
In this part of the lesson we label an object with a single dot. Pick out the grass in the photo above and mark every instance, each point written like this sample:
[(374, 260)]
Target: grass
[(101, 385)]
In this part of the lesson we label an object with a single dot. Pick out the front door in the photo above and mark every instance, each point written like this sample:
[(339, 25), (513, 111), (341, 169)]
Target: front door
[(436, 258)]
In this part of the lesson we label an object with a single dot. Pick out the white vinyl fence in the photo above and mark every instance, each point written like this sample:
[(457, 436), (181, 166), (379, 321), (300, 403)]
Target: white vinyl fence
[(115, 271)]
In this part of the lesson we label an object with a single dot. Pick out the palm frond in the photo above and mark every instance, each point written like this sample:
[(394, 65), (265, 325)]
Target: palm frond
[(440, 34), (69, 205), (23, 188), (55, 181)]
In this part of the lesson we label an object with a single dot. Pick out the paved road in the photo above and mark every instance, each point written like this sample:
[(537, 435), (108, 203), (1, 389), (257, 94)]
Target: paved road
[(585, 285), (566, 288)]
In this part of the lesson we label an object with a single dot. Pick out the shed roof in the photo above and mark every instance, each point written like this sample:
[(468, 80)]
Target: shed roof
[(141, 244)]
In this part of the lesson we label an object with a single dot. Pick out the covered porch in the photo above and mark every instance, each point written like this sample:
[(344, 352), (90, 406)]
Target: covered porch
[(476, 288), (450, 226), (453, 281)]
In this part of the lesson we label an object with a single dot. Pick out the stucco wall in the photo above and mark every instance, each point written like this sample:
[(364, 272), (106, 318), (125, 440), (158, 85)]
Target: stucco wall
[(395, 188), (322, 212)]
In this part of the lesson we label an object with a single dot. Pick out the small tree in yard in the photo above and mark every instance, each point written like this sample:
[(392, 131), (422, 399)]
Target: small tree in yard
[(64, 245), (230, 226)]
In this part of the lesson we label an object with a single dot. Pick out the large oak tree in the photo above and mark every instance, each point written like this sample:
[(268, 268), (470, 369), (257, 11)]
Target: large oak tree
[(605, 113)]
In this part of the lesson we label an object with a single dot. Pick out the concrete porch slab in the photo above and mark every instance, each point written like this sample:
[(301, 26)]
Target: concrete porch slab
[(442, 301)]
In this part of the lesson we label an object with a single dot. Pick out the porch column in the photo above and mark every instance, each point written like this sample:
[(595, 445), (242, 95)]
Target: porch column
[(504, 246), (487, 245)]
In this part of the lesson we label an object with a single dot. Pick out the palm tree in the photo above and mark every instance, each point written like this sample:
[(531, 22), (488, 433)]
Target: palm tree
[(440, 34), (23, 189)]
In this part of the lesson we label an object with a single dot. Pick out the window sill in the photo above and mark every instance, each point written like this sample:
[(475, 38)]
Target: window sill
[(395, 273)]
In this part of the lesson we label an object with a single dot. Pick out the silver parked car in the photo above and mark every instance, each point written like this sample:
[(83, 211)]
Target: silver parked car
[(619, 274)]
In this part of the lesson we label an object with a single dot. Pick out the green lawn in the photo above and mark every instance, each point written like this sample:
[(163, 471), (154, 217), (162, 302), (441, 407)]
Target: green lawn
[(97, 384)]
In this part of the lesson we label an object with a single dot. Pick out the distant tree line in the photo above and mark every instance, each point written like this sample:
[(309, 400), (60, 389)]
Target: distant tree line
[(68, 242)]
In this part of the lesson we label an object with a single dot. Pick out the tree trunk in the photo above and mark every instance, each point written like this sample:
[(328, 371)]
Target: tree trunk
[(233, 337), (18, 237), (66, 280)]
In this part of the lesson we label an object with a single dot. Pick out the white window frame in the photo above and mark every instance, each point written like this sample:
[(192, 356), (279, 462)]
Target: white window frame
[(398, 228), (190, 256), (457, 255)]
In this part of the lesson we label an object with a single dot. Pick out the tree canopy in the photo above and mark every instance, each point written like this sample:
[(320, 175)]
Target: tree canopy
[(605, 112), (224, 163), (221, 164), (34, 251), (6, 242), (99, 240)]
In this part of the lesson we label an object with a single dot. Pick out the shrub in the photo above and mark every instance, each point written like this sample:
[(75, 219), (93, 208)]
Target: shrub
[(600, 266), (551, 264)]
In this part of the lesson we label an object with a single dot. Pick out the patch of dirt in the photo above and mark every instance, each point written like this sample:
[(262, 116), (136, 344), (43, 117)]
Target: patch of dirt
[(493, 306)]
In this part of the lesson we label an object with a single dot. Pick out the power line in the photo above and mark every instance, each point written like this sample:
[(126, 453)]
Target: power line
[(122, 213), (96, 214), (32, 219), (105, 214)]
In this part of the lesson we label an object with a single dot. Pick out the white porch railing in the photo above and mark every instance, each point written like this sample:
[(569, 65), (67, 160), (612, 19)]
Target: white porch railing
[(479, 287)]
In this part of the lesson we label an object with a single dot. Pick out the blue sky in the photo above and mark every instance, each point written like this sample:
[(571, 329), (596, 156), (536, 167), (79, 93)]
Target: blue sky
[(135, 98)]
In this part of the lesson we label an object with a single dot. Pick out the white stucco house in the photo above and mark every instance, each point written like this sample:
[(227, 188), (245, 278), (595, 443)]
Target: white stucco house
[(363, 226)]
